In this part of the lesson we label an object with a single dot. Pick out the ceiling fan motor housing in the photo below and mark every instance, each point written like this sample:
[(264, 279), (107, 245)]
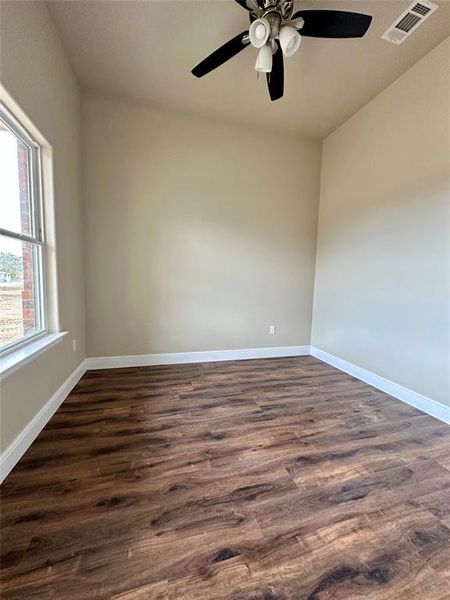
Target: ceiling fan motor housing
[(274, 19), (284, 7), (274, 14)]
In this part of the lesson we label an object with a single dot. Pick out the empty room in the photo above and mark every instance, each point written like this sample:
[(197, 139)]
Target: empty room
[(225, 299)]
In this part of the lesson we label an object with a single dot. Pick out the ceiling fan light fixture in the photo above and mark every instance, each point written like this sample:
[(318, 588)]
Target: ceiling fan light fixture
[(264, 60), (274, 32), (290, 40), (259, 32)]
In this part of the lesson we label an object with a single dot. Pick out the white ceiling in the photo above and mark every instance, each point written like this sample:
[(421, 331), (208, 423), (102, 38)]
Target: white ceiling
[(145, 50)]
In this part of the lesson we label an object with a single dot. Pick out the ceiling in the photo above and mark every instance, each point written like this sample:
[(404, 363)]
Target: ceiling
[(145, 49)]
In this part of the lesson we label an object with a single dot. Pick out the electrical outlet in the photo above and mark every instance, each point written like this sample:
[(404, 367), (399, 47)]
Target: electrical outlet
[(272, 329), (74, 345)]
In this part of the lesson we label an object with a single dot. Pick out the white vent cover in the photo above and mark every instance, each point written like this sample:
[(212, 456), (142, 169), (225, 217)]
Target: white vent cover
[(409, 21)]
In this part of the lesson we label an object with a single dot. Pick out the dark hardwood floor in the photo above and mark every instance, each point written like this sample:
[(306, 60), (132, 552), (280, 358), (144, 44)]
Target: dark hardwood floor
[(278, 479)]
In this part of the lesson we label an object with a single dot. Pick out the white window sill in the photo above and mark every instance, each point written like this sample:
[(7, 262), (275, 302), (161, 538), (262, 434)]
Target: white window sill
[(17, 359)]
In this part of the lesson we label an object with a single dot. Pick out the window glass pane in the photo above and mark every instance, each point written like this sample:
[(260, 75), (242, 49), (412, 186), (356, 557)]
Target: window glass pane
[(15, 193), (20, 304)]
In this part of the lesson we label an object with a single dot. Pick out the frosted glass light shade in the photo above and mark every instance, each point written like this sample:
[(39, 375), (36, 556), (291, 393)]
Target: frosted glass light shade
[(264, 60), (290, 40), (259, 32)]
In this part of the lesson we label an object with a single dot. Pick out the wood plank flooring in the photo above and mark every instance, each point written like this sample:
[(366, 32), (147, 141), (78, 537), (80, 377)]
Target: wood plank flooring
[(278, 479)]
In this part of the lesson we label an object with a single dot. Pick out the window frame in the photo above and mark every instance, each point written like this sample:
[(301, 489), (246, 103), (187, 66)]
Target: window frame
[(37, 233)]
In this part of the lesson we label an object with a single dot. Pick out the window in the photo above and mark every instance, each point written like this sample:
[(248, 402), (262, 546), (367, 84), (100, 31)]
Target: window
[(22, 297)]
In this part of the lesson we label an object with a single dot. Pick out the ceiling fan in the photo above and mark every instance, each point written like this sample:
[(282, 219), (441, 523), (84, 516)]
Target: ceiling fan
[(274, 31)]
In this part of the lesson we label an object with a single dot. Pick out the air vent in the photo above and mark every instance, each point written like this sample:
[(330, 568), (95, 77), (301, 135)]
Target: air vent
[(409, 21)]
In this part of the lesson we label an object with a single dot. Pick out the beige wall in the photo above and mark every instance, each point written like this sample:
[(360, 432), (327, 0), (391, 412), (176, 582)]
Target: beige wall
[(382, 277), (199, 235), (35, 72)]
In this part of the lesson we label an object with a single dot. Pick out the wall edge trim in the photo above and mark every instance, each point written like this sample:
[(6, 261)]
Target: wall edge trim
[(171, 358), (423, 403), (14, 452)]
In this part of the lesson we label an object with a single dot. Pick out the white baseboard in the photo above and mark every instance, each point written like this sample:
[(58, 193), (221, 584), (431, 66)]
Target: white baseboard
[(11, 456), (145, 360), (426, 405)]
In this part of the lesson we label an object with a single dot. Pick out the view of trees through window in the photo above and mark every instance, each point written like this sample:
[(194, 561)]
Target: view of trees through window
[(11, 287)]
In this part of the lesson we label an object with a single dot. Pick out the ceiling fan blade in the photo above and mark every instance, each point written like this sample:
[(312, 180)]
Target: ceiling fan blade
[(242, 3), (221, 55), (333, 23), (275, 79), (254, 7)]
